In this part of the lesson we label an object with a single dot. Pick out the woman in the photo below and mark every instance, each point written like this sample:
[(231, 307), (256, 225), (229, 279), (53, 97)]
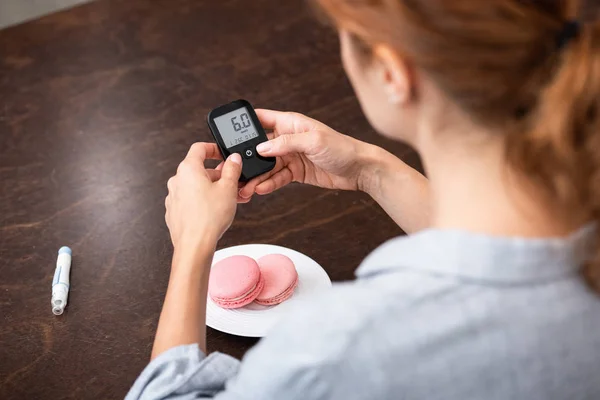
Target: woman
[(500, 98)]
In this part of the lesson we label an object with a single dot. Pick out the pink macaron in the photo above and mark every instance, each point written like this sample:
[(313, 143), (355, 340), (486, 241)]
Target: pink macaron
[(235, 282), (280, 278)]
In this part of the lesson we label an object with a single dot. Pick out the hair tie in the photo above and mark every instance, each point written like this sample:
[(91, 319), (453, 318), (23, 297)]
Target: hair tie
[(570, 31)]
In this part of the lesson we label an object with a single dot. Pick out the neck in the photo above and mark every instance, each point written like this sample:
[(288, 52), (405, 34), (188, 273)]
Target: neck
[(473, 189)]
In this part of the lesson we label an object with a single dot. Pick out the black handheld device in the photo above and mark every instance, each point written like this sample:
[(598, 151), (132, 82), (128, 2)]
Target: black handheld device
[(236, 129)]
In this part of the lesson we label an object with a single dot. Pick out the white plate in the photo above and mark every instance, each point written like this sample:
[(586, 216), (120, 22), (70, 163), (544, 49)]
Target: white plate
[(255, 320)]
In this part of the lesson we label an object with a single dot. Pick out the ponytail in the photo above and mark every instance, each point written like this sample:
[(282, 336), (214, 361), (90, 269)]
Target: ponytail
[(561, 150), (515, 66)]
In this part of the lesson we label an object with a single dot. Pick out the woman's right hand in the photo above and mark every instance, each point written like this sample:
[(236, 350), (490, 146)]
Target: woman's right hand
[(307, 151)]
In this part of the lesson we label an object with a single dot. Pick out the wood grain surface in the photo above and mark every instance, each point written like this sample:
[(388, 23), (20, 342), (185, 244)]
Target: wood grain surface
[(98, 105)]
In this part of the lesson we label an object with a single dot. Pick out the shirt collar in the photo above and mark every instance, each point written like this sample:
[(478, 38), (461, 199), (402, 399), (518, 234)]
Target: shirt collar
[(481, 257)]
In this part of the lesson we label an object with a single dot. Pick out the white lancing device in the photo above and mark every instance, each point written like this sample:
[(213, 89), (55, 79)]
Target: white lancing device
[(60, 283)]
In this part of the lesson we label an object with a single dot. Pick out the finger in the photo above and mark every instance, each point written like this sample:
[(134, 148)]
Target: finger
[(286, 122), (171, 184), (213, 174), (220, 166), (269, 118), (230, 174), (248, 190), (277, 181), (204, 151), (306, 143)]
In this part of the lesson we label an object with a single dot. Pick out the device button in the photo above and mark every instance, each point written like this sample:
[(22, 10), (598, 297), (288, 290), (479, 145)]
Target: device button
[(248, 153)]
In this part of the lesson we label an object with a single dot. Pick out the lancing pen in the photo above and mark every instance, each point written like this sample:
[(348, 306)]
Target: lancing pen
[(60, 283)]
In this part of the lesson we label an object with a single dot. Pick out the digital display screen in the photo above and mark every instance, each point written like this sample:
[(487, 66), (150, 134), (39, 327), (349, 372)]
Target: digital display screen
[(236, 127)]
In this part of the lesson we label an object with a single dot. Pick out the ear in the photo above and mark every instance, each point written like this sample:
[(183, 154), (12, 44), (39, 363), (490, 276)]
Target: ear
[(397, 75)]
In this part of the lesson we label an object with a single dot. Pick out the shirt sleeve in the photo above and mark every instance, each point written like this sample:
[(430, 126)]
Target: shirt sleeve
[(182, 373), (274, 369), (299, 360)]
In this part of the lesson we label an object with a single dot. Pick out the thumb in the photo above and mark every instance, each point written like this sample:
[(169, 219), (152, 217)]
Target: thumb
[(232, 169), (305, 142)]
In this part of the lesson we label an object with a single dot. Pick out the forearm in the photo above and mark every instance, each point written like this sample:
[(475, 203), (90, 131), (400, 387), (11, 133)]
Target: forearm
[(400, 190), (183, 316)]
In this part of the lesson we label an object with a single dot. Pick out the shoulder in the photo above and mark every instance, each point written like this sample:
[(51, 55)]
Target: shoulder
[(319, 348), (298, 359), (310, 325), (331, 323)]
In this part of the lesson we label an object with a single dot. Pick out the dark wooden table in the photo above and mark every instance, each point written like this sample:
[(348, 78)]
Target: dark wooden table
[(98, 105)]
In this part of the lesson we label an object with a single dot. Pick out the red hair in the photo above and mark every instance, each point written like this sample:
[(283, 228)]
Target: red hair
[(499, 60)]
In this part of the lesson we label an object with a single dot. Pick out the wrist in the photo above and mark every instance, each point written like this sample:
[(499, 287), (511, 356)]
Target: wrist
[(193, 254), (196, 236), (374, 164)]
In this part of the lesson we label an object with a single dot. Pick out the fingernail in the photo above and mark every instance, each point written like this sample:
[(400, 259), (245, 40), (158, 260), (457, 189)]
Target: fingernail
[(242, 195), (236, 158), (264, 147)]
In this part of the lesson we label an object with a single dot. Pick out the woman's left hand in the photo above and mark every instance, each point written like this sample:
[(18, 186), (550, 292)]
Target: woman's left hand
[(201, 203)]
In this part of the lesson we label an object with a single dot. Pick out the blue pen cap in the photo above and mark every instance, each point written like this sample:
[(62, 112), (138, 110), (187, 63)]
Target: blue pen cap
[(65, 249)]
